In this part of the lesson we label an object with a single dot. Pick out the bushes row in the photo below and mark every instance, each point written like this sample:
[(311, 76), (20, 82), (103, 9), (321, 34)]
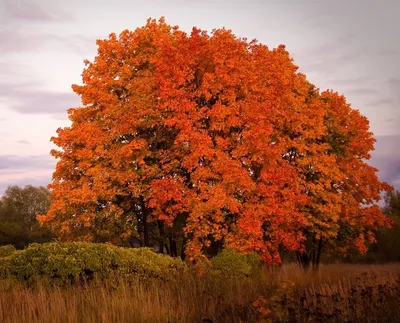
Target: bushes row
[(72, 262)]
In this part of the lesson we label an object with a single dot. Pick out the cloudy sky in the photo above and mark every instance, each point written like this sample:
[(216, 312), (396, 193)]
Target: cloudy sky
[(349, 46)]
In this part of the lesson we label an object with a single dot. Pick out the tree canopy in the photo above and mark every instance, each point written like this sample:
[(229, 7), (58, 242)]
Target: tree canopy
[(19, 207), (212, 141)]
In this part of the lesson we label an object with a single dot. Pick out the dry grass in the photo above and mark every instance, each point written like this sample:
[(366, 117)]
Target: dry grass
[(337, 293)]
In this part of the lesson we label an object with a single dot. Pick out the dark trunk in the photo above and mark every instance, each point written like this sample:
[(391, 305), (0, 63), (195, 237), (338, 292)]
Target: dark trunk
[(161, 237), (145, 212), (140, 229), (214, 248), (145, 230), (130, 241), (167, 249), (318, 257), (313, 253), (173, 249), (303, 259), (183, 248), (311, 258)]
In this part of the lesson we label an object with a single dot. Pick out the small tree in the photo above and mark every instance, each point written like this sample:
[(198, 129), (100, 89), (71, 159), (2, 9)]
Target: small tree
[(19, 208)]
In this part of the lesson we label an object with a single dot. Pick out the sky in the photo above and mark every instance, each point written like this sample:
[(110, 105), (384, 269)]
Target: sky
[(349, 46)]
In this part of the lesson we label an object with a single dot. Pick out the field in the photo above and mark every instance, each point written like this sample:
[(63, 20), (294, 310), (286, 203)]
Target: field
[(337, 293)]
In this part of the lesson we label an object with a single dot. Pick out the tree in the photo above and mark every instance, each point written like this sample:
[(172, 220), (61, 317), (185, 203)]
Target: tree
[(387, 247), (208, 140), (18, 210)]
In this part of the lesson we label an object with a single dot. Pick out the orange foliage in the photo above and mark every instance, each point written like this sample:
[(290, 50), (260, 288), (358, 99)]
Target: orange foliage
[(218, 130)]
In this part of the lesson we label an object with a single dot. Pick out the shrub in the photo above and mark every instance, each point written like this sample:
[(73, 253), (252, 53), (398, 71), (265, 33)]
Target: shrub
[(71, 262), (232, 263), (6, 250)]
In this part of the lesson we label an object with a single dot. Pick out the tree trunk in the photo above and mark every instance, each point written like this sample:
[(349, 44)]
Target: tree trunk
[(167, 249), (140, 228), (214, 248), (131, 243), (183, 248), (145, 230), (318, 257), (161, 237), (173, 249), (303, 259), (145, 212)]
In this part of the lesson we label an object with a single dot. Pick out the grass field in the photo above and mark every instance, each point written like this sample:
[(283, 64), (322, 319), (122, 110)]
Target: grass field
[(337, 293)]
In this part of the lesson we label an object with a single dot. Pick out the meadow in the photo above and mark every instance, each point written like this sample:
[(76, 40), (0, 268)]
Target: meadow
[(336, 293)]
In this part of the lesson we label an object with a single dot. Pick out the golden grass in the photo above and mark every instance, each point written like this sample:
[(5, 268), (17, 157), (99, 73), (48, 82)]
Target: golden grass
[(337, 293)]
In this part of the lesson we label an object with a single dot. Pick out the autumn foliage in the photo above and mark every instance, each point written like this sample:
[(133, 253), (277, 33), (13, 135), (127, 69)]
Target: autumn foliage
[(212, 141)]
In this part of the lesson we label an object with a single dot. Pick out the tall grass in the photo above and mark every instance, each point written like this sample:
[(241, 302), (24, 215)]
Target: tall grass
[(337, 293)]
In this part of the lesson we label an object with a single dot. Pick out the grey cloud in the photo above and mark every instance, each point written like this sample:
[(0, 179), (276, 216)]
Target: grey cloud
[(394, 86), (15, 162), (29, 11), (394, 81), (327, 58), (30, 98), (349, 81), (17, 41), (23, 142), (386, 158), (21, 93), (79, 44), (25, 170), (373, 20), (17, 36), (357, 36), (383, 101), (42, 102), (390, 52), (12, 71), (363, 91), (29, 180)]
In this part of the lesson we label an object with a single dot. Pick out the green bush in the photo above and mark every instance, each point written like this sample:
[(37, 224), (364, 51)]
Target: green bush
[(232, 263), (63, 263), (6, 250)]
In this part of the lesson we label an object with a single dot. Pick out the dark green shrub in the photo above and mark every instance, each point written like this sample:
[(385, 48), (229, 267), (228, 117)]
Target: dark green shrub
[(63, 263), (231, 263), (6, 250)]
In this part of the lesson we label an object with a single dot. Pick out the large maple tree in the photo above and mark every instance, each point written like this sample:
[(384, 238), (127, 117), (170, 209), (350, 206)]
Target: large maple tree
[(212, 141)]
